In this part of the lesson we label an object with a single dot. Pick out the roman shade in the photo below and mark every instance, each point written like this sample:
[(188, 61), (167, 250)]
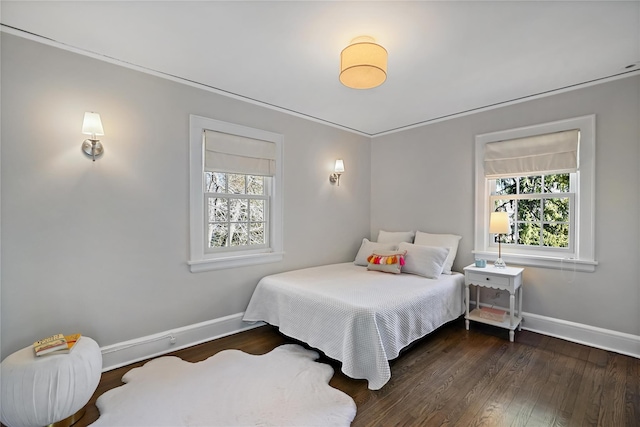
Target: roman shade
[(237, 154), (549, 153)]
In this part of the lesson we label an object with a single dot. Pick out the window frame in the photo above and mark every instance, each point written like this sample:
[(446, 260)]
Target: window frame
[(200, 258), (582, 258)]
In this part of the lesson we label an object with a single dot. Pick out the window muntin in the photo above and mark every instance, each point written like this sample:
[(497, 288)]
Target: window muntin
[(540, 209), (237, 211)]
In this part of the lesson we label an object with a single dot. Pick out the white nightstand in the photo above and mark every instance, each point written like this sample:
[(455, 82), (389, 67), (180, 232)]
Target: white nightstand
[(506, 279)]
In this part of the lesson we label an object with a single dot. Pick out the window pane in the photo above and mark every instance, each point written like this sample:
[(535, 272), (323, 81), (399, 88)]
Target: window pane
[(257, 233), (256, 209), (501, 205), (556, 235), (528, 234), (218, 234), (557, 183), (236, 184), (218, 209), (255, 184), (556, 210), (506, 186), (529, 210), (239, 234), (215, 182), (530, 184), (238, 210)]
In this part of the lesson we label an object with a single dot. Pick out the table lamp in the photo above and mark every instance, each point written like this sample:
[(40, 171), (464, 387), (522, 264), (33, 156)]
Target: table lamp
[(499, 224)]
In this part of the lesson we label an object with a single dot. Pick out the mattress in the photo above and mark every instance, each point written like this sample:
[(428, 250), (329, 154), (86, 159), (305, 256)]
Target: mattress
[(359, 317)]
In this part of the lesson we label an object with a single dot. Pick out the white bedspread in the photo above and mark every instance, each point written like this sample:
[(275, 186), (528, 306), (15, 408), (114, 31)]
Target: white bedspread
[(359, 317)]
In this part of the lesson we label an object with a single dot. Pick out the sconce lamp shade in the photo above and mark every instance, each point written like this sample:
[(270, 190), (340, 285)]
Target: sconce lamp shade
[(92, 125), (363, 64), (338, 169), (499, 223)]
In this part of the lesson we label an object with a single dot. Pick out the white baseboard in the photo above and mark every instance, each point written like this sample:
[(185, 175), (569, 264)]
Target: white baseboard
[(605, 339), (127, 352)]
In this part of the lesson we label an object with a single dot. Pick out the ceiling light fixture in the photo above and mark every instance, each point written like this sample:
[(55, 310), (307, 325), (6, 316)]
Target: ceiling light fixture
[(363, 64)]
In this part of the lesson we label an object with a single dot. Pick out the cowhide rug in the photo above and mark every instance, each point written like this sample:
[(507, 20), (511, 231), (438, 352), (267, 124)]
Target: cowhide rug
[(285, 387)]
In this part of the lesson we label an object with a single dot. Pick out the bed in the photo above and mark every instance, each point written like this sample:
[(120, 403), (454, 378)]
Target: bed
[(359, 317)]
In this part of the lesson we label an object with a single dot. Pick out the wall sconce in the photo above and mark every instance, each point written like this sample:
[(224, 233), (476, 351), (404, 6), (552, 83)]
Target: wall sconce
[(92, 125), (338, 170)]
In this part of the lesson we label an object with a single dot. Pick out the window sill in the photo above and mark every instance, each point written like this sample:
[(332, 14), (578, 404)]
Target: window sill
[(234, 261), (566, 264)]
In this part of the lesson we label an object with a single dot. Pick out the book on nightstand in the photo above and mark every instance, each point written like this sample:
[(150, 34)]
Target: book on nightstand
[(492, 314)]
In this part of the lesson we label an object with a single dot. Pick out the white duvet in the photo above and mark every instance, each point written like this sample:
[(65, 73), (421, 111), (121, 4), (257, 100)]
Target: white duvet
[(359, 317)]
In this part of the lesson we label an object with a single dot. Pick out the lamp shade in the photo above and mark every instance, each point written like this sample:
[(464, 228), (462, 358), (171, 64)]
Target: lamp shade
[(499, 223), (339, 166), (92, 125), (363, 64)]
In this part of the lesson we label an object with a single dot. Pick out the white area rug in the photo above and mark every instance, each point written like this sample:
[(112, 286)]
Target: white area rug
[(285, 387)]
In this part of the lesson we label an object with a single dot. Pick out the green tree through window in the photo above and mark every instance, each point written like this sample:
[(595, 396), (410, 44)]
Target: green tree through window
[(539, 208)]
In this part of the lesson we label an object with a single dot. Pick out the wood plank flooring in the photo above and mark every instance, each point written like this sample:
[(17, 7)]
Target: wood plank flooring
[(455, 377)]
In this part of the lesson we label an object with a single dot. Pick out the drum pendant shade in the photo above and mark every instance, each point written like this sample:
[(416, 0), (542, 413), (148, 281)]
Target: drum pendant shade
[(363, 64)]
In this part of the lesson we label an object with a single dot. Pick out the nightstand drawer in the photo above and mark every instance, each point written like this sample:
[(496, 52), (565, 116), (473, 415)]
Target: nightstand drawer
[(487, 279)]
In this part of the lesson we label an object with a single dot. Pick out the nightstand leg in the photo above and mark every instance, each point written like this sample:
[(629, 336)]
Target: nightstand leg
[(512, 303), (520, 307), (466, 322)]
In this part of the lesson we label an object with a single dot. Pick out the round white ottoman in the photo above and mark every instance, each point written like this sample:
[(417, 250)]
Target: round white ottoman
[(38, 391)]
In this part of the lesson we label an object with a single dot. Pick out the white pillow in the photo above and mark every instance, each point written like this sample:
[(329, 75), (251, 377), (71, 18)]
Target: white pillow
[(440, 240), (367, 248), (426, 261), (395, 236)]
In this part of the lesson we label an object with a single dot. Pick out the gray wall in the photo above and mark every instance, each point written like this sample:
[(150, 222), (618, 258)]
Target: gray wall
[(423, 179), (101, 248)]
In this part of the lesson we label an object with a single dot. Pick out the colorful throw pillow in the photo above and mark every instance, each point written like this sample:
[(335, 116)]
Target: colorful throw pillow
[(386, 261), (367, 248)]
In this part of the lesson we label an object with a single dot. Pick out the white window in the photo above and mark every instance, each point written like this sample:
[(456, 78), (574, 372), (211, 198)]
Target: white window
[(543, 177), (237, 211), (540, 209), (236, 195)]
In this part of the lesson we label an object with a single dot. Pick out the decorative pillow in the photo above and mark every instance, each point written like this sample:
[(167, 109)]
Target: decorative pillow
[(386, 261), (440, 240), (427, 261), (367, 248), (395, 236)]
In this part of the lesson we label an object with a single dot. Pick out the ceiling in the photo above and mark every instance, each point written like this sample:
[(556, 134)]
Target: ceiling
[(445, 58)]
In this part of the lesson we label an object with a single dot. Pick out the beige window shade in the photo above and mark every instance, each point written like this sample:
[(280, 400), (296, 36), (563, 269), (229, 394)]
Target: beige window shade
[(236, 154), (550, 153)]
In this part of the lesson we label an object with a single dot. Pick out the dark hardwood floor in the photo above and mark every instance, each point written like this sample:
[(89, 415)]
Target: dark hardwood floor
[(455, 377)]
